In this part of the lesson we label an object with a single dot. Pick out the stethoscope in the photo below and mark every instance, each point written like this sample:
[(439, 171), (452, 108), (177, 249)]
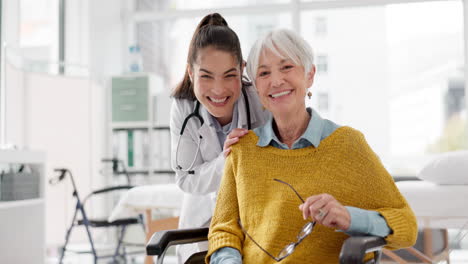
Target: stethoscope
[(197, 115)]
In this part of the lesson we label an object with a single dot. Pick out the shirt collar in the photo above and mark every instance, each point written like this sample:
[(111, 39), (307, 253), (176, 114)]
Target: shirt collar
[(314, 130), (228, 127), (312, 135)]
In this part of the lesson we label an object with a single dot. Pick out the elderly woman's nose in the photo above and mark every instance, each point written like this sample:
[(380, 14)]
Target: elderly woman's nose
[(277, 79)]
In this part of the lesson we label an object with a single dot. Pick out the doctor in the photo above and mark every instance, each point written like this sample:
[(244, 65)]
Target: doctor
[(213, 107)]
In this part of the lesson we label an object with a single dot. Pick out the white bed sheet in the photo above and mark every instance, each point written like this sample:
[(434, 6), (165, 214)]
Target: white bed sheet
[(437, 206), (138, 199)]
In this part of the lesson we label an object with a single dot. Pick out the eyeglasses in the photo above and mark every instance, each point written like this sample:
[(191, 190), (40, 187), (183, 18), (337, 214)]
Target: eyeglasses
[(288, 249)]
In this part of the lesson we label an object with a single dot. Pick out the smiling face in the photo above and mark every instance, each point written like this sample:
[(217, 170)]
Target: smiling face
[(282, 84), (216, 77)]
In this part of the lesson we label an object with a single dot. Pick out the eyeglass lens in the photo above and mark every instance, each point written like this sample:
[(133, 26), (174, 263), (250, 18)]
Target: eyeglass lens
[(306, 230), (288, 250)]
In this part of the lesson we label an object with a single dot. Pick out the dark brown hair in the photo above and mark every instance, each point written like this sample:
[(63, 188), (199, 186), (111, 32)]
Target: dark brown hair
[(212, 31)]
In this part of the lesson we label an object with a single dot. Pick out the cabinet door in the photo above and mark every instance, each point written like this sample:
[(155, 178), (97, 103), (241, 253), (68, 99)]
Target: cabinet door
[(130, 99)]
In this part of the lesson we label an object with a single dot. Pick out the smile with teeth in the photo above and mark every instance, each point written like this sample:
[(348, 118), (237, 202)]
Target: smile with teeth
[(218, 100), (276, 95)]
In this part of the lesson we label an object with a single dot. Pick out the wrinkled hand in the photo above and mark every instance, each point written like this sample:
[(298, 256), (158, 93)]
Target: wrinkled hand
[(232, 139), (324, 209)]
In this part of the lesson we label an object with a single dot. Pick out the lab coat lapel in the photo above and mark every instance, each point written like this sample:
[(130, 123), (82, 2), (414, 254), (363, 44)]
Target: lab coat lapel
[(242, 110), (209, 146)]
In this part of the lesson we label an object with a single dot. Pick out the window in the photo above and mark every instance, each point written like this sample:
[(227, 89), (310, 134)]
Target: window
[(320, 26), (38, 36), (168, 58), (322, 63), (323, 102), (196, 4), (396, 78)]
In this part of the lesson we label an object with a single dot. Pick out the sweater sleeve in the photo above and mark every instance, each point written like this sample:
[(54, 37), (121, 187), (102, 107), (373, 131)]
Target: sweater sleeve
[(224, 228), (383, 196)]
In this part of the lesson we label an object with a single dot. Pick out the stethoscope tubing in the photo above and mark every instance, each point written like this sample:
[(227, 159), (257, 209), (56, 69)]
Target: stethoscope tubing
[(196, 114)]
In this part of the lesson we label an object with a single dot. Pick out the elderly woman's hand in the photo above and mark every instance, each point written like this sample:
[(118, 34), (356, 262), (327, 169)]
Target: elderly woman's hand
[(232, 139), (324, 209)]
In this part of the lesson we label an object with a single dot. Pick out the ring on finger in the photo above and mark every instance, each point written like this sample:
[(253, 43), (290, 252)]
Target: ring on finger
[(321, 214)]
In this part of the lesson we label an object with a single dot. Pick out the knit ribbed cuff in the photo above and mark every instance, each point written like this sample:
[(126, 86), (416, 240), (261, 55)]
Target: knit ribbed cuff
[(404, 228)]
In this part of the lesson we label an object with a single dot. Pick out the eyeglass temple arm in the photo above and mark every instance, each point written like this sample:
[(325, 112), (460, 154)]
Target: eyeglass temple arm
[(292, 188), (255, 242), (355, 248)]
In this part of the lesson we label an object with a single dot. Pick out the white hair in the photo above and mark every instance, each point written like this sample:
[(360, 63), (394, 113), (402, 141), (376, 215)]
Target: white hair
[(285, 44)]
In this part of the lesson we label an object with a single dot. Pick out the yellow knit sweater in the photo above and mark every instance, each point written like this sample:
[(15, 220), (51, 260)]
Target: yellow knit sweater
[(343, 166)]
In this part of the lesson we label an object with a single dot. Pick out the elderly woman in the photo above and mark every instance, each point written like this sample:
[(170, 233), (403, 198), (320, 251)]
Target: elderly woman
[(300, 178)]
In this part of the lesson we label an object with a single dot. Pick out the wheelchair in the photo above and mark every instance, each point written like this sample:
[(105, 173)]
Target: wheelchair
[(352, 252)]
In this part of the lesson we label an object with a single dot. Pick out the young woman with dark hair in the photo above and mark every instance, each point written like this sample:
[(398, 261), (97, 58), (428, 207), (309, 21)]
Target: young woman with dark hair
[(214, 105)]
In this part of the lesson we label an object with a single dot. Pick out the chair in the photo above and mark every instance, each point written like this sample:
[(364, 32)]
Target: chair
[(88, 223), (352, 251)]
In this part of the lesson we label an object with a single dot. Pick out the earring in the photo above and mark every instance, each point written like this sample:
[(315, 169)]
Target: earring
[(309, 94)]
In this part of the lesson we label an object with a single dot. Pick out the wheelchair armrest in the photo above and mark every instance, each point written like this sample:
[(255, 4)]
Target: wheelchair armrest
[(162, 240), (354, 248)]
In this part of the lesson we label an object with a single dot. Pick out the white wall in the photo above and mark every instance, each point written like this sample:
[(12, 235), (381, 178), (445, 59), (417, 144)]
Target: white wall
[(66, 116), (58, 117), (10, 35), (465, 12), (16, 126)]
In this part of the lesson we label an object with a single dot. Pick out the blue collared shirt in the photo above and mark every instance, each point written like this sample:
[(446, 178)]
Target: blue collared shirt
[(223, 131), (363, 222), (317, 130)]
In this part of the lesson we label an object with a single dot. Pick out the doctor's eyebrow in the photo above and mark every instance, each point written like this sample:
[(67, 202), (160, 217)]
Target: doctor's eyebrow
[(209, 72), (230, 70)]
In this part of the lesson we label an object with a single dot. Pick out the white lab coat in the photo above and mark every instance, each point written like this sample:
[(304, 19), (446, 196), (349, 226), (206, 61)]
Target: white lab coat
[(200, 188)]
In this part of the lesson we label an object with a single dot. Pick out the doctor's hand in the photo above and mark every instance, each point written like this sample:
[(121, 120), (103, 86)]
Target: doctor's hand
[(232, 139), (324, 209)]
